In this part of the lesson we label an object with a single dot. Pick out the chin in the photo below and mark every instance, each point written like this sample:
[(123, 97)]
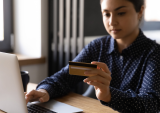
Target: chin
[(116, 36)]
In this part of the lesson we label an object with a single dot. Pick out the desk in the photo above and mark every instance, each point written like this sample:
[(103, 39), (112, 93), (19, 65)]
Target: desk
[(89, 105)]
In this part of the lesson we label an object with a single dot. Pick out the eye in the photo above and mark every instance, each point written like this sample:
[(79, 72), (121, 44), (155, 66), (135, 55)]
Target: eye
[(122, 13), (106, 14)]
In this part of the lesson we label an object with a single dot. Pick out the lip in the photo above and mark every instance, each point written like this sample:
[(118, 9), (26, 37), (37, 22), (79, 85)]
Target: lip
[(115, 30)]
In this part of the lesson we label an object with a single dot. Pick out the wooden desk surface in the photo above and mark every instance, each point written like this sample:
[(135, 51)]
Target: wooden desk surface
[(89, 105), (27, 60)]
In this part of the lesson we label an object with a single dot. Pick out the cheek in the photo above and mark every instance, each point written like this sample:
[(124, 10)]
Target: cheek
[(129, 22), (125, 23), (106, 23)]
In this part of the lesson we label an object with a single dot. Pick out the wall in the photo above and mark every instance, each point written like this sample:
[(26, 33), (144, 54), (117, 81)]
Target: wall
[(31, 34)]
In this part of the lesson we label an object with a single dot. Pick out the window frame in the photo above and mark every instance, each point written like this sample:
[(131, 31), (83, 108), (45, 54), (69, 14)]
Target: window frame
[(5, 45), (150, 25)]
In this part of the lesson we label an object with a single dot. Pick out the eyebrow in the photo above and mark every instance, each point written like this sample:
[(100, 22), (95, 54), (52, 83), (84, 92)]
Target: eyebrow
[(116, 8)]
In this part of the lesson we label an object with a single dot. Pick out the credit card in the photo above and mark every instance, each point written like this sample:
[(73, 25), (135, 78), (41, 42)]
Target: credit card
[(78, 68)]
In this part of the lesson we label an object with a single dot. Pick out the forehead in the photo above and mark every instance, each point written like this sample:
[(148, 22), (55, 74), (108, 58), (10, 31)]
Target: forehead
[(111, 5)]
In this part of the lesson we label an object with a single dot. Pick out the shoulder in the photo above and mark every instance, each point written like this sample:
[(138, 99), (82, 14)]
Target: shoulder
[(105, 40), (100, 44), (152, 49), (152, 45)]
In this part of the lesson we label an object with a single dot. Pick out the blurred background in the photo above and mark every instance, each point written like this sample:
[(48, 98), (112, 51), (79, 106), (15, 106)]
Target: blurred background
[(57, 30)]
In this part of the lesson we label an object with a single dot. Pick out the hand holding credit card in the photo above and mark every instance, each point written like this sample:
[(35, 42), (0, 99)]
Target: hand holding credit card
[(78, 68)]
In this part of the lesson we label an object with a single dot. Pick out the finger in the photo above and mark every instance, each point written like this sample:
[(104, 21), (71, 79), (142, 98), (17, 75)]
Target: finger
[(98, 85), (28, 99), (97, 79), (33, 96), (45, 97), (31, 99), (33, 92), (98, 72), (101, 65), (42, 100)]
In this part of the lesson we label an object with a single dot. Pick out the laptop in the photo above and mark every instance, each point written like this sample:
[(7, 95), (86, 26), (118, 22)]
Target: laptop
[(12, 98)]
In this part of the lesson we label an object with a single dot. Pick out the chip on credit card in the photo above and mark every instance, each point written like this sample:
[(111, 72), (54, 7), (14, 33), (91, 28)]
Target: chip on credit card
[(78, 68)]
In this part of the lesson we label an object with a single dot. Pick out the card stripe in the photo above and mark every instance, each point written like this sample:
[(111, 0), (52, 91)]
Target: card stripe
[(82, 64), (80, 68)]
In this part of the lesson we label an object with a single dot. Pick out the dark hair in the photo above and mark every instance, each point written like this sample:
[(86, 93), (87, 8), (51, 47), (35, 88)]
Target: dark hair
[(137, 4)]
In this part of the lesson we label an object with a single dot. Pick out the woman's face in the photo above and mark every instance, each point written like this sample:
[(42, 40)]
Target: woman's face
[(120, 18)]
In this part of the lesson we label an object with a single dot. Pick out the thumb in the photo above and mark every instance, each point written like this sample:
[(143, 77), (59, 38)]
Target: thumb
[(101, 65), (41, 100), (45, 97)]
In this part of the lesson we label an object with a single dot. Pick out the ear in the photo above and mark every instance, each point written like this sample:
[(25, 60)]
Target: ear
[(140, 14)]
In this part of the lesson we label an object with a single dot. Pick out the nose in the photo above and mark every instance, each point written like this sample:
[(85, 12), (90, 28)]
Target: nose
[(112, 20)]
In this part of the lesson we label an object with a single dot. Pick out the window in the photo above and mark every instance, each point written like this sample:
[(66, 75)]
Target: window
[(6, 29), (152, 6), (151, 20), (1, 21)]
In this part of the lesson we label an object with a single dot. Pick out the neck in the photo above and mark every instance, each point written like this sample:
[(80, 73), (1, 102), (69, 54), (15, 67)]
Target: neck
[(125, 42)]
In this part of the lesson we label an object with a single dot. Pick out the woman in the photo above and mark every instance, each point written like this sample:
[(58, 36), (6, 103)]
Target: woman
[(127, 78)]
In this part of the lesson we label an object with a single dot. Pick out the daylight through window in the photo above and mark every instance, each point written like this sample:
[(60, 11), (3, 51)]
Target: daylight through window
[(152, 10)]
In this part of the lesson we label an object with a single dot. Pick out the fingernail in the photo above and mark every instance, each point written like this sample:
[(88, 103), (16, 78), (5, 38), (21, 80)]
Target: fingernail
[(93, 62)]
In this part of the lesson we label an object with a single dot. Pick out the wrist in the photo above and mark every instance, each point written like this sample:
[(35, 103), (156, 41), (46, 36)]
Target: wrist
[(107, 98)]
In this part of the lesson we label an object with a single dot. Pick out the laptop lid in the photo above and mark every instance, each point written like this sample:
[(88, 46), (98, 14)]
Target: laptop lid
[(12, 99)]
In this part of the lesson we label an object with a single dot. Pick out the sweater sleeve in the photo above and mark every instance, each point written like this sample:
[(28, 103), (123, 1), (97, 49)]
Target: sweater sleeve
[(61, 82), (147, 100)]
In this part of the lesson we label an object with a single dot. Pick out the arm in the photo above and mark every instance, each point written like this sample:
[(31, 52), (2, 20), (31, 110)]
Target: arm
[(147, 100), (61, 82)]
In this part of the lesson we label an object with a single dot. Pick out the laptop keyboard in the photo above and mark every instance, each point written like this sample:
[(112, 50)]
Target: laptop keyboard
[(38, 109)]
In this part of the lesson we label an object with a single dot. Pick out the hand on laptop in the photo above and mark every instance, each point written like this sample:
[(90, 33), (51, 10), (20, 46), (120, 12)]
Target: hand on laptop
[(37, 95)]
